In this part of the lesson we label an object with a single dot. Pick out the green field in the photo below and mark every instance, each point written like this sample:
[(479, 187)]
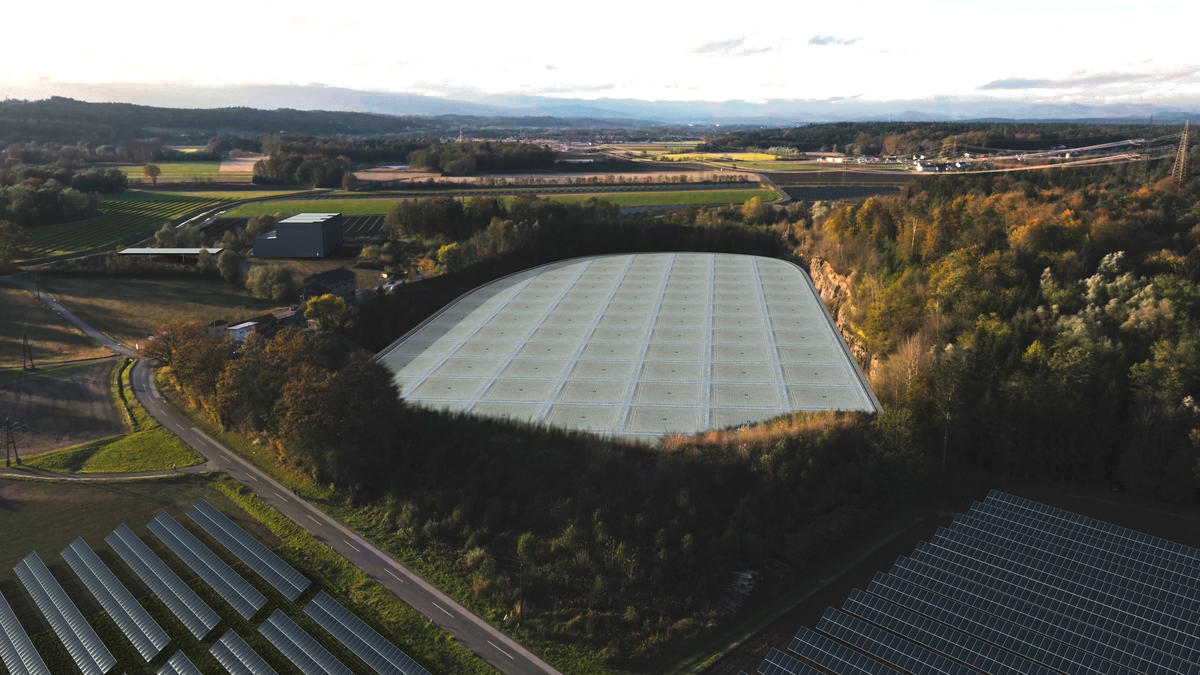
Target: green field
[(176, 172), (128, 218), (348, 207), (231, 194)]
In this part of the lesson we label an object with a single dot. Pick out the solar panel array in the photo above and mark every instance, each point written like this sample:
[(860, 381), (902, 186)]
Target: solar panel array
[(282, 576), (183, 602), (179, 664), (636, 346), (303, 651), (134, 621), (81, 641), (1015, 587), (16, 649), (368, 645), (228, 584), (238, 657)]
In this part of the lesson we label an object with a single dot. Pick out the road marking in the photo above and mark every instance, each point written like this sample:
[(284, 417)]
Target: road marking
[(501, 650), (394, 575), (447, 613), (352, 546), (314, 520), (281, 496)]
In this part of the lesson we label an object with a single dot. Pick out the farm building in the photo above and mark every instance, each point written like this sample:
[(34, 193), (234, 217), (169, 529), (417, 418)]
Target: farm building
[(239, 332), (338, 281), (307, 235)]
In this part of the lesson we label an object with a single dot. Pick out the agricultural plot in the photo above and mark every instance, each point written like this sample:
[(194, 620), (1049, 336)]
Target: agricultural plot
[(63, 406), (50, 337), (177, 172), (127, 218)]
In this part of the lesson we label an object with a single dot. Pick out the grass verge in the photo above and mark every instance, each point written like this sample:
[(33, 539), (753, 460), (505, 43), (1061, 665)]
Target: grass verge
[(147, 447)]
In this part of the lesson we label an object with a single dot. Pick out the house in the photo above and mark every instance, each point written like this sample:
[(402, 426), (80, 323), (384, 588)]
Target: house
[(218, 330), (338, 281), (265, 324), (290, 318), (307, 235), (239, 332)]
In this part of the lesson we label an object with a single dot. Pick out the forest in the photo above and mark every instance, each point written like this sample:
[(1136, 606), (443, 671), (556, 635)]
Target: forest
[(1038, 325), (464, 158)]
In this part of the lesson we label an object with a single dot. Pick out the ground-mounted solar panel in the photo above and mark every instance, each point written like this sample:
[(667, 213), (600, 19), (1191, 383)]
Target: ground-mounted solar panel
[(282, 576), (81, 641), (301, 649), (179, 664), (230, 585), (16, 649), (238, 657), (134, 621), (368, 645), (183, 602), (778, 663), (1014, 587)]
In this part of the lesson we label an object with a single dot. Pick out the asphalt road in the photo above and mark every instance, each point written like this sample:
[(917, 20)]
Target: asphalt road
[(469, 630)]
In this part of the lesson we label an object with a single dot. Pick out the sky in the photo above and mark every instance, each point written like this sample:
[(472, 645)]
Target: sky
[(1092, 52)]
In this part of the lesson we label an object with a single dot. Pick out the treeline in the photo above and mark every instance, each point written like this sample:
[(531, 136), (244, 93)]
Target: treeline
[(313, 170), (83, 153), (905, 138), (355, 149), (464, 158), (33, 203)]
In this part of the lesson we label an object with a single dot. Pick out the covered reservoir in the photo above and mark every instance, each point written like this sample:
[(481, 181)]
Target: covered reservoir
[(635, 345)]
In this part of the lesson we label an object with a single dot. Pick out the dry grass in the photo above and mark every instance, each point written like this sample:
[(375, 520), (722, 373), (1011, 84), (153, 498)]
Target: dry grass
[(51, 338)]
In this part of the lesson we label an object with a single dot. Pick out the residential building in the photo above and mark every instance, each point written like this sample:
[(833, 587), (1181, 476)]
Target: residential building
[(239, 332), (338, 281), (218, 330)]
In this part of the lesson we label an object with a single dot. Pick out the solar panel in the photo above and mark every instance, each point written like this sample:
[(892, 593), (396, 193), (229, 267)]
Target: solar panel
[(1013, 587), (16, 649), (134, 621), (85, 647), (238, 657), (778, 663), (282, 576), (360, 638), (183, 602), (303, 651), (178, 664), (228, 584)]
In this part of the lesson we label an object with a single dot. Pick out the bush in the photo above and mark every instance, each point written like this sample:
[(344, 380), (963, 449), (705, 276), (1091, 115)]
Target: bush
[(274, 281)]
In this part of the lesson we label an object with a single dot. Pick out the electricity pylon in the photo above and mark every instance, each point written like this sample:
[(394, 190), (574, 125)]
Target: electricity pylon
[(1179, 173), (10, 444)]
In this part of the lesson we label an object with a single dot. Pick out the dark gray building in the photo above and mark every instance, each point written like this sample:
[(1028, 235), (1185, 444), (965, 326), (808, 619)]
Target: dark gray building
[(307, 235), (338, 281)]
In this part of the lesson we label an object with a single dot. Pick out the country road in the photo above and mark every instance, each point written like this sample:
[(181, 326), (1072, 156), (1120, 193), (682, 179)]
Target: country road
[(486, 641)]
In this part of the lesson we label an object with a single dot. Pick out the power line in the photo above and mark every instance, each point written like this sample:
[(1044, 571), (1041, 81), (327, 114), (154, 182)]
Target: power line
[(1179, 172)]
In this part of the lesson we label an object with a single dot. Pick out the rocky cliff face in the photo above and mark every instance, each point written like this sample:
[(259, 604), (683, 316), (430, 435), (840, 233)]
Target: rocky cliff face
[(836, 292)]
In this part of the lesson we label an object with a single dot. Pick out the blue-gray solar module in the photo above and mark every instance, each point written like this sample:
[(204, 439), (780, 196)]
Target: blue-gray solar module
[(228, 584), (282, 576), (303, 651), (134, 621), (85, 647), (183, 602), (179, 664), (1014, 587), (778, 663), (238, 657), (360, 638), (16, 649)]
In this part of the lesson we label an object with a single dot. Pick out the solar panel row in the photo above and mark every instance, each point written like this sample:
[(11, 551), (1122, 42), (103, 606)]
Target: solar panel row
[(282, 576), (81, 641), (303, 651), (1017, 588), (179, 664), (183, 602), (134, 621), (16, 649), (360, 638), (228, 584), (238, 657)]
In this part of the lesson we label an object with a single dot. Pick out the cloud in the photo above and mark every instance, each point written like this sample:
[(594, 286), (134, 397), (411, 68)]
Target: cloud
[(826, 40), (573, 88), (735, 46), (1112, 78), (549, 67)]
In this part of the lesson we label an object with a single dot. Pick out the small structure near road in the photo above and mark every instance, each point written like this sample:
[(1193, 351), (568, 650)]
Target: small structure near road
[(184, 254), (339, 281), (307, 235)]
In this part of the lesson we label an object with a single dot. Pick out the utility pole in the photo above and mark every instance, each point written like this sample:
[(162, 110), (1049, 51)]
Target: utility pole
[(1179, 172), (521, 593), (26, 352), (10, 444)]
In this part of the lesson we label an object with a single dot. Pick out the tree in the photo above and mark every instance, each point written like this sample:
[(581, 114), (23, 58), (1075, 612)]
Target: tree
[(152, 172), (754, 211), (12, 240), (230, 264), (206, 262), (349, 182), (456, 256), (165, 237), (172, 339), (328, 311), (274, 281), (260, 225)]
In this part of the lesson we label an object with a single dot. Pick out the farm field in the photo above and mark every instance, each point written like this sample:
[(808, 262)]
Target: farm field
[(50, 337), (231, 194), (348, 207), (175, 172), (128, 310), (127, 218), (64, 405)]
